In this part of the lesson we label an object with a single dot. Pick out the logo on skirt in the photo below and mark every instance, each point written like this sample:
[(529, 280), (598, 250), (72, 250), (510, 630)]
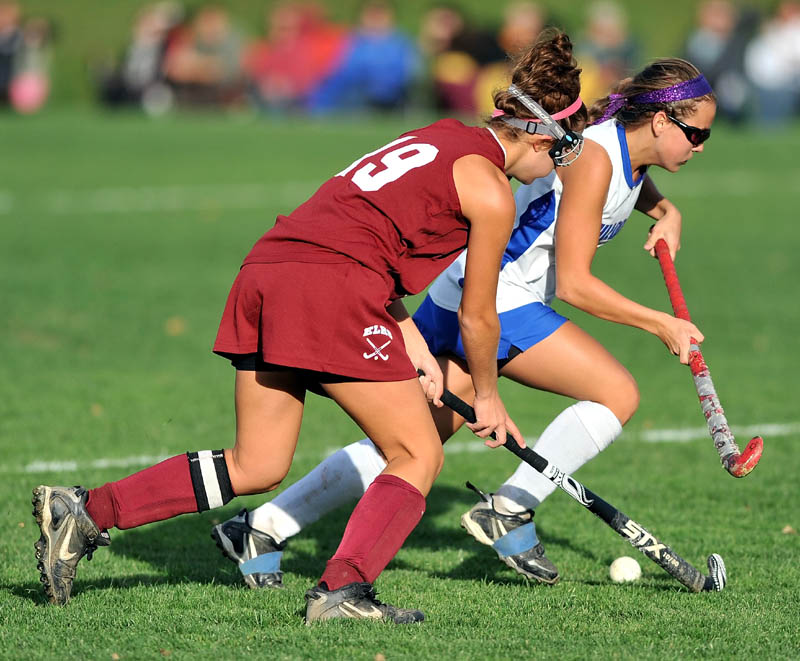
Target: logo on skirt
[(376, 338)]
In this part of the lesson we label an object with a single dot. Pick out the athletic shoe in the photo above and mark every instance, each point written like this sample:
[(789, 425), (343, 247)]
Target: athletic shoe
[(241, 543), (487, 525), (68, 534), (356, 601)]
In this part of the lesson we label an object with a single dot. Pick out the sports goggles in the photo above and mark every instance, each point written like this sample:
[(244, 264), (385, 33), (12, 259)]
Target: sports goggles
[(693, 134), (568, 144)]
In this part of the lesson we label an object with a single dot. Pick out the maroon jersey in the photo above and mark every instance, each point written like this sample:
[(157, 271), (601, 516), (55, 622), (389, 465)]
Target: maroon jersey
[(395, 210)]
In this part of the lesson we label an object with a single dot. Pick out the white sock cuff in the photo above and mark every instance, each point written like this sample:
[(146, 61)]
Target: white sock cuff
[(600, 423), (339, 479), (367, 459)]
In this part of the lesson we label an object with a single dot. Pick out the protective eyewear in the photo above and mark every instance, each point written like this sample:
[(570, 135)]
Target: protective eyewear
[(568, 144), (693, 134)]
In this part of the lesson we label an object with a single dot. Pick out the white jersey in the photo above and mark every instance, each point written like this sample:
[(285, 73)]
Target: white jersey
[(528, 271)]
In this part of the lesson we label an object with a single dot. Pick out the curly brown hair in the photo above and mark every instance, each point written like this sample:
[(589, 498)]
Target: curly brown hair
[(549, 74), (658, 75)]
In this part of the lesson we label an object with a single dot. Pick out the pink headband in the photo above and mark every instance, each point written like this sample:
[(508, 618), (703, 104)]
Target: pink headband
[(574, 107)]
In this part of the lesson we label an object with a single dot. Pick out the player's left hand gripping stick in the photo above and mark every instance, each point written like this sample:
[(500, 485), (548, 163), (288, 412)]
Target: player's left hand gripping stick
[(736, 463)]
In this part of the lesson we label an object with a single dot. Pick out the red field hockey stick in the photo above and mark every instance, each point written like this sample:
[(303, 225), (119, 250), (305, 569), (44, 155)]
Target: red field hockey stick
[(736, 463)]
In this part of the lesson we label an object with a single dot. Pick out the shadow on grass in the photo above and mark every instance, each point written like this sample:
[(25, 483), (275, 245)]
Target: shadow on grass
[(182, 547), (181, 550), (554, 542), (33, 591)]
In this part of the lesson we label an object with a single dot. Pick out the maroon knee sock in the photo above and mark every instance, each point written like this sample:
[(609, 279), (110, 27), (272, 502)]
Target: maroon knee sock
[(153, 494), (383, 518)]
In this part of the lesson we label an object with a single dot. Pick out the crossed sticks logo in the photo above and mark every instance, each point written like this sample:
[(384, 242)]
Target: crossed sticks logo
[(376, 338)]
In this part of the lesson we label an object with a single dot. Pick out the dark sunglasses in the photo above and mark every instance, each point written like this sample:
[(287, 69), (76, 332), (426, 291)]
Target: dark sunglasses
[(693, 134)]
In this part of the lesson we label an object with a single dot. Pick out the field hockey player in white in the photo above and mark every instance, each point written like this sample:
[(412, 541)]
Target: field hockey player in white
[(661, 117)]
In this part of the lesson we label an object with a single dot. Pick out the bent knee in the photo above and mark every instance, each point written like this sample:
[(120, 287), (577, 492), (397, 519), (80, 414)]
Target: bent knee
[(257, 485), (626, 399), (249, 479), (621, 395), (245, 484), (429, 454), (438, 462), (431, 460)]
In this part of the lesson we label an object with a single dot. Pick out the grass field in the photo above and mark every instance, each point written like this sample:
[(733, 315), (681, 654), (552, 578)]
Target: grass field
[(119, 239)]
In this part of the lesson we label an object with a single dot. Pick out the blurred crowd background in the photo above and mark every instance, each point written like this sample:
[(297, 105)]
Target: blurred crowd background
[(300, 59)]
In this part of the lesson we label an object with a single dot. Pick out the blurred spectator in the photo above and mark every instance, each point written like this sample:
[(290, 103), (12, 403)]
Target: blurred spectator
[(139, 77), (203, 60), (300, 48), (522, 23), (377, 69), (772, 63), (10, 45), (717, 46), (30, 84), (458, 54), (606, 51), (438, 29)]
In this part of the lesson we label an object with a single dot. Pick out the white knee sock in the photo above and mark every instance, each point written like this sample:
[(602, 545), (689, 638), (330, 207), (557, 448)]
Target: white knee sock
[(578, 434), (341, 478)]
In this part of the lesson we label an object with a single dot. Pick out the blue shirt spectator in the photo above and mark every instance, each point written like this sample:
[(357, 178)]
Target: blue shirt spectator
[(377, 69), (10, 44)]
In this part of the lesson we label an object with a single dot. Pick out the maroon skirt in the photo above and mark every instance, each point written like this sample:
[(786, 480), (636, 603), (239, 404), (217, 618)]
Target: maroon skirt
[(327, 318)]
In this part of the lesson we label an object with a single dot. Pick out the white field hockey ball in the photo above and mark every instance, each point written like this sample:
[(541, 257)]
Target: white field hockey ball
[(624, 570)]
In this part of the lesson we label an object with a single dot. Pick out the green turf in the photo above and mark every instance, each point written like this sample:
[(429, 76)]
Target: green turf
[(118, 242)]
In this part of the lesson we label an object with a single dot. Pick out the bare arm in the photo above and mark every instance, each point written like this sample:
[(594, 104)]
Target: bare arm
[(487, 201), (417, 350), (668, 218), (577, 232)]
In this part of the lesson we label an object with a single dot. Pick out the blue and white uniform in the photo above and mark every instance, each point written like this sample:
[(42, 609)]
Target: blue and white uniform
[(527, 277)]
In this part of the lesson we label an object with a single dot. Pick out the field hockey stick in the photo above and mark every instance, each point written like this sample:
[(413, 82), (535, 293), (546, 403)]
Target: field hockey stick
[(736, 463), (624, 526)]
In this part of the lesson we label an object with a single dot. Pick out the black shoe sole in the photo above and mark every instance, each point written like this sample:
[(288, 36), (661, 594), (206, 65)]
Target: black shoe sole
[(528, 575), (39, 502)]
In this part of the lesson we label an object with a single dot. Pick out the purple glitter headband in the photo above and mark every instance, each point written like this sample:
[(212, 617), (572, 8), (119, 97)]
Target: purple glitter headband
[(688, 89)]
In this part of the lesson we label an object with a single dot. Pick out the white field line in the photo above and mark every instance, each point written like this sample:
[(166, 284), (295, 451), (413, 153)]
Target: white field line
[(74, 466), (178, 198), (742, 434), (679, 435)]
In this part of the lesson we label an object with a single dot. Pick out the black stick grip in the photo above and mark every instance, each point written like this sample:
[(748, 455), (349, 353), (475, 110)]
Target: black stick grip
[(468, 413)]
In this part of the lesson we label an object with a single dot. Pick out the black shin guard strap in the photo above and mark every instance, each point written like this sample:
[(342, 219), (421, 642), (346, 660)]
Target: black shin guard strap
[(210, 479)]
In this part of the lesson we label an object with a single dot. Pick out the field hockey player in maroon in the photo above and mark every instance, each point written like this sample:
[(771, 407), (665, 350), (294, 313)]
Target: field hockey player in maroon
[(318, 305)]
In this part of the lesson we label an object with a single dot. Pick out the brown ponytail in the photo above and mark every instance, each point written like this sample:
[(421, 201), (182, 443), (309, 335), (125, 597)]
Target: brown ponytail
[(659, 75), (548, 73)]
